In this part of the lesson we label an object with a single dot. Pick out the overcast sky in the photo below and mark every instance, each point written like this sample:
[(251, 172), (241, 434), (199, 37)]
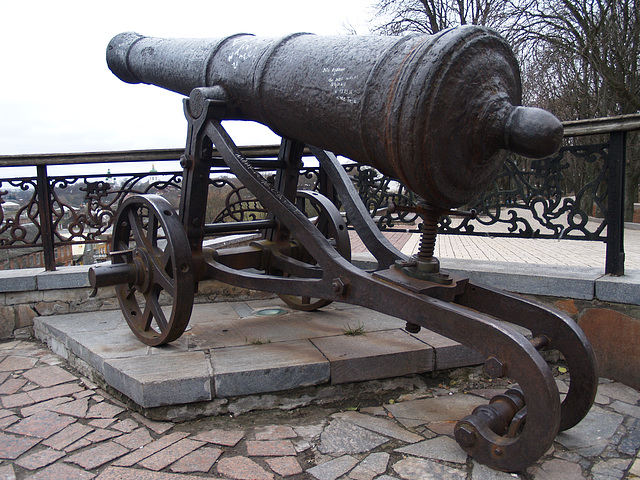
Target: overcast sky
[(57, 94)]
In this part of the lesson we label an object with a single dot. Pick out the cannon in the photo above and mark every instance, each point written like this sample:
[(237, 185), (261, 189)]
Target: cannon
[(437, 112)]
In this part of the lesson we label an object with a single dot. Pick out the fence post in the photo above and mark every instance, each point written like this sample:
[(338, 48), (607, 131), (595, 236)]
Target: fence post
[(43, 191), (615, 204)]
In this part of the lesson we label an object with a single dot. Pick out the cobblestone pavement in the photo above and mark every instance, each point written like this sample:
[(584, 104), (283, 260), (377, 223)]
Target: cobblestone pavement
[(55, 424)]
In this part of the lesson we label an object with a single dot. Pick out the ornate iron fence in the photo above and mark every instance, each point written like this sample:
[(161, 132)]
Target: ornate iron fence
[(576, 194)]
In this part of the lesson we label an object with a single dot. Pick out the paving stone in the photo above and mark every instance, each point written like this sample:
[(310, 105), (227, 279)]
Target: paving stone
[(626, 409), (101, 434), (97, 456), (42, 394), (310, 432), (301, 445), (149, 449), (226, 438), (482, 472), (77, 445), (169, 378), (449, 353), (635, 468), (12, 446), (157, 427), (104, 410), (4, 412), (102, 422), (344, 437), (413, 468), (17, 400), (76, 408), (39, 459), (83, 394), (426, 410), (269, 367), (275, 432), (440, 428), (377, 411), (42, 406), (270, 448), (125, 426), (630, 443), (242, 468), (333, 469), (379, 425), (591, 435), (284, 466), (384, 354), (60, 471), (439, 448), (41, 425), (8, 421), (136, 439), (11, 386), (119, 473), (13, 363), (200, 460), (555, 469), (49, 376), (619, 391), (612, 469), (372, 466), (167, 456), (67, 436), (7, 472)]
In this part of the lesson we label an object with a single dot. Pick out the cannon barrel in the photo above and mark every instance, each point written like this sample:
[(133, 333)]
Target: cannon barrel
[(438, 112)]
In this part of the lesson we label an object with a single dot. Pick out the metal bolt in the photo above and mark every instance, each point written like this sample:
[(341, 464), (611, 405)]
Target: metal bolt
[(339, 286), (466, 436), (185, 162), (412, 328), (494, 368), (498, 451)]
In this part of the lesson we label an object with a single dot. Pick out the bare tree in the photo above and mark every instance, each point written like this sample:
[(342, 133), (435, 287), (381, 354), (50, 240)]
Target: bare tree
[(595, 41), (395, 17), (588, 51)]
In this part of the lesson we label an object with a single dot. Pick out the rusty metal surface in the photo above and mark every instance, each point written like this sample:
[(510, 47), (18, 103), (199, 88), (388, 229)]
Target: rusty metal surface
[(393, 103)]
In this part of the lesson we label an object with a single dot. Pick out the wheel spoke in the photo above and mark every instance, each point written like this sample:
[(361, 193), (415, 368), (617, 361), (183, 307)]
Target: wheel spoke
[(163, 280), (158, 314), (152, 230), (138, 229)]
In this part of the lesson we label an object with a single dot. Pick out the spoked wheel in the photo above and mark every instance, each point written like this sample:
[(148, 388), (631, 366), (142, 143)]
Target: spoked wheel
[(327, 219), (149, 235)]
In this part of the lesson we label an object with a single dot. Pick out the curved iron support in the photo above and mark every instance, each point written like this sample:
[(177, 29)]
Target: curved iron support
[(341, 281), (563, 334), (381, 248)]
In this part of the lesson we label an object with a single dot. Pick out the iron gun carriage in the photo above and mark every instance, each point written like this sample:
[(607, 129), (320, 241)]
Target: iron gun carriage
[(437, 112)]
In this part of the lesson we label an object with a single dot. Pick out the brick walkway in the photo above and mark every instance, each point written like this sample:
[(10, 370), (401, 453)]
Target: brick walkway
[(516, 250), (57, 425)]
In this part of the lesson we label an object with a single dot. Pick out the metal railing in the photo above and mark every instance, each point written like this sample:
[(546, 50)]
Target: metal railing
[(576, 194)]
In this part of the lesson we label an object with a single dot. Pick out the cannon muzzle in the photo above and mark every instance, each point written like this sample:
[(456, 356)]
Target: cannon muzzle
[(439, 112)]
